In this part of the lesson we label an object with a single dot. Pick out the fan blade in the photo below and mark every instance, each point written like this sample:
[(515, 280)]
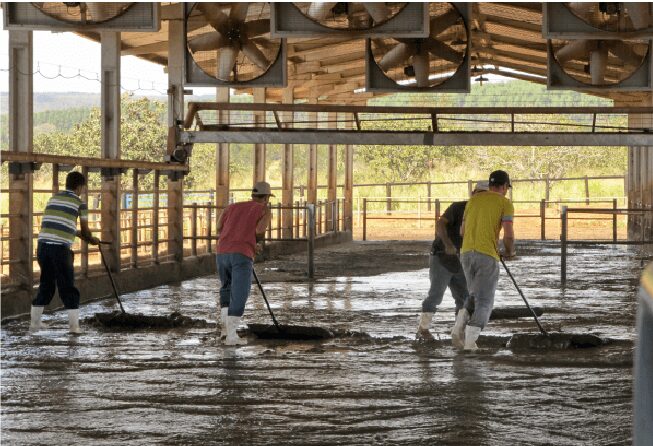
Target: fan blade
[(599, 64), (443, 51), (238, 11), (624, 52), (640, 14), (251, 51), (320, 10), (378, 11), (396, 56), (214, 15), (257, 27), (574, 50), (208, 41), (444, 21), (226, 62), (422, 69)]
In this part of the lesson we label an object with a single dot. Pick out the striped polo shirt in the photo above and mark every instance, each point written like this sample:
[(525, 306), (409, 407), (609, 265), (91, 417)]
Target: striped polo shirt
[(59, 223)]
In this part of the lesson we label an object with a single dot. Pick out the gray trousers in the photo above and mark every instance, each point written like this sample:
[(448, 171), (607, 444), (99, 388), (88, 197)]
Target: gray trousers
[(441, 278), (482, 274)]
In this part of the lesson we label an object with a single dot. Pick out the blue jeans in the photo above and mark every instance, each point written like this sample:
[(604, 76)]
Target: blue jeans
[(235, 271), (56, 262), (441, 278)]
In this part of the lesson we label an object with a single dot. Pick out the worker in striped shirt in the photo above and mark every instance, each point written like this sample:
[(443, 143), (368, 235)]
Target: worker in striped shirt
[(54, 253)]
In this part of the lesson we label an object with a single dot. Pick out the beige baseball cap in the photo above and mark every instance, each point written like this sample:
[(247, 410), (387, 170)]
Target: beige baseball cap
[(482, 185), (262, 188)]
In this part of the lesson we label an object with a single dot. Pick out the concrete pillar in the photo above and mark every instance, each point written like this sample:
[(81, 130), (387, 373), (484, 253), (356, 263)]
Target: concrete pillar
[(222, 155), (349, 186), (175, 114), (259, 149), (332, 175), (287, 175), (20, 140), (110, 145)]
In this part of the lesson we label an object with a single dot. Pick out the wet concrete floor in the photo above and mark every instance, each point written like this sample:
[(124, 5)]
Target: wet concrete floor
[(375, 385)]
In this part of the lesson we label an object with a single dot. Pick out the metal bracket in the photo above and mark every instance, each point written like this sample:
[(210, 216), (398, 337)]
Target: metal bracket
[(175, 175), (108, 172), (18, 168)]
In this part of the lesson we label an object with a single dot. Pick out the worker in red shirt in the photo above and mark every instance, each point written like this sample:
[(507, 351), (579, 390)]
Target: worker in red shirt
[(240, 227)]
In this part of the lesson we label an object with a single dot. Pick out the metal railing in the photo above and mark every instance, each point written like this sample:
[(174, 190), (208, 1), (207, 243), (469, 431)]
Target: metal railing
[(564, 232)]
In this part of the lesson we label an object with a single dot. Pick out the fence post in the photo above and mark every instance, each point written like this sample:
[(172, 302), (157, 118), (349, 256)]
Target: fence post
[(428, 191), (563, 246), (310, 208), (614, 220), (134, 228), (543, 219), (193, 230), (419, 212), (84, 245), (364, 219), (587, 191), (155, 217), (279, 220), (297, 212), (209, 226), (547, 185), (437, 216), (470, 188), (388, 194)]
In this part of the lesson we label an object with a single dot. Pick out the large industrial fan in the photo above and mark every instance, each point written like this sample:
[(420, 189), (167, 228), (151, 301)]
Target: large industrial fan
[(354, 19), (231, 44), (428, 63), (605, 20), (599, 62), (350, 15), (97, 16)]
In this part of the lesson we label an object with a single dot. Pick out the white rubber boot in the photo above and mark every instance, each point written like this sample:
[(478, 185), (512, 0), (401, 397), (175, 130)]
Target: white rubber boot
[(423, 327), (73, 322), (35, 321), (471, 335), (458, 331), (224, 312), (232, 336)]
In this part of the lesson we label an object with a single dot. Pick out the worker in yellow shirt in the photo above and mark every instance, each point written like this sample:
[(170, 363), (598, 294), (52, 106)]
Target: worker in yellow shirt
[(486, 214)]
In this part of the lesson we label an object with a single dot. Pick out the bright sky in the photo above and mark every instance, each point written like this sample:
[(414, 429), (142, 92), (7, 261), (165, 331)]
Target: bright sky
[(71, 55)]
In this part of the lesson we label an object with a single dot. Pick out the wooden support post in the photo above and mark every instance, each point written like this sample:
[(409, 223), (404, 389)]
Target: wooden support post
[(310, 208), (297, 213), (311, 190), (436, 217), (349, 188), (563, 246), (428, 194), (364, 219), (222, 155), (110, 145), (332, 176), (155, 218), (175, 115), (614, 220), (55, 178), (259, 149), (21, 185), (134, 213), (287, 175), (91, 221), (278, 220), (388, 198), (547, 185), (470, 188), (193, 230), (587, 191), (209, 226), (543, 219)]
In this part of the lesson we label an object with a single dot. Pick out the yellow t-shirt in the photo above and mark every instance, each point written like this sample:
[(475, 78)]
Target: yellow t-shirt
[(483, 216)]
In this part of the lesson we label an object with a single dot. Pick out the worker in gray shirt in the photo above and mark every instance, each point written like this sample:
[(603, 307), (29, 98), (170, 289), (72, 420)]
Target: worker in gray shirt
[(445, 269)]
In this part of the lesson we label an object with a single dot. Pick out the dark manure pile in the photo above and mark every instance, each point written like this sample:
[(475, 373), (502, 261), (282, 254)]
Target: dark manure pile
[(120, 320), (553, 341)]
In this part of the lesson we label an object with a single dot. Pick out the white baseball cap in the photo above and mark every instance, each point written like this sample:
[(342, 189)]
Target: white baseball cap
[(262, 188)]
